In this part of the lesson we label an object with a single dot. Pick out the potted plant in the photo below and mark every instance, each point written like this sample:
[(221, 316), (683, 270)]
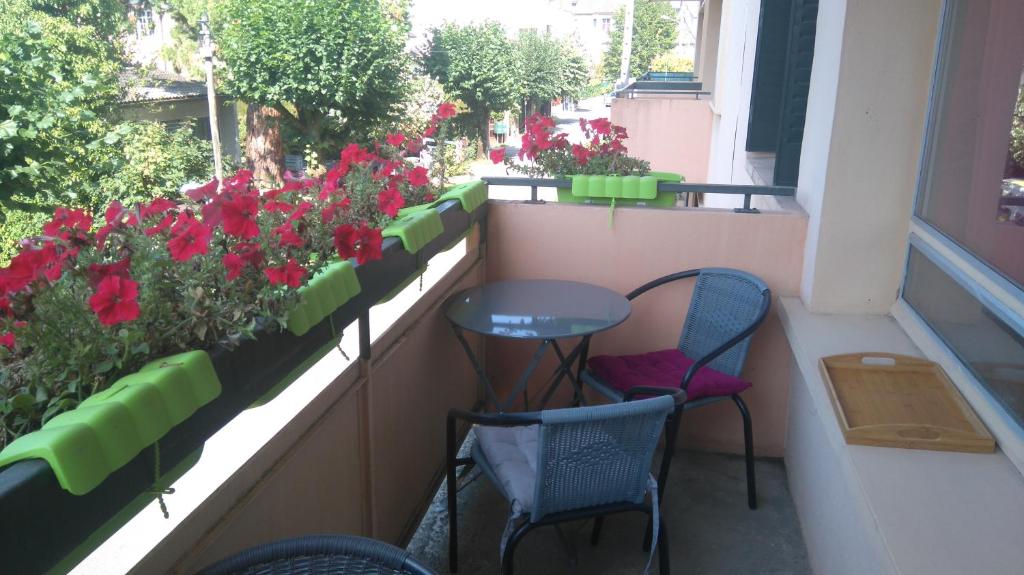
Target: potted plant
[(600, 169), (86, 305)]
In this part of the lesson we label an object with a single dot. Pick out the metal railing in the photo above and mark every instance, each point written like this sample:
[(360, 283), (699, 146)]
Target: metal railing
[(678, 188)]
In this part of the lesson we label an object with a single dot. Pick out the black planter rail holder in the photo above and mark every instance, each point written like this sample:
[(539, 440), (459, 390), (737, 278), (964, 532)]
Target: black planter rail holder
[(44, 527)]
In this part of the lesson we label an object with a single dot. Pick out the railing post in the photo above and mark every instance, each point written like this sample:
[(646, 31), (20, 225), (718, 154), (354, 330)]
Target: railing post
[(746, 209), (364, 335)]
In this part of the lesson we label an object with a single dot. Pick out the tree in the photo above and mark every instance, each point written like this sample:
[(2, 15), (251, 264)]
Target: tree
[(669, 62), (550, 69), (57, 78), (332, 69), (655, 30), (478, 64)]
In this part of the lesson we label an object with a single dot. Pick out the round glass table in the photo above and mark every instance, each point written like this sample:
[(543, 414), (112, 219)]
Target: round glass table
[(543, 310)]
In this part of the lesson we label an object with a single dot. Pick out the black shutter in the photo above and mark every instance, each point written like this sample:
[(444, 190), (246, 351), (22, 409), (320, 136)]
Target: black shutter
[(803, 18), (766, 92)]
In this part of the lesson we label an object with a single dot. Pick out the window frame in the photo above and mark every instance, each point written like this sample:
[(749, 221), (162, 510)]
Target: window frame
[(998, 294)]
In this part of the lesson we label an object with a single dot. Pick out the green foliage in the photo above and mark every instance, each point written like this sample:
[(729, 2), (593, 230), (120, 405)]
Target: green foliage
[(670, 62), (655, 30), (425, 95), (106, 17), (550, 69), (1017, 136), (155, 162), (478, 65), (333, 68), (57, 79)]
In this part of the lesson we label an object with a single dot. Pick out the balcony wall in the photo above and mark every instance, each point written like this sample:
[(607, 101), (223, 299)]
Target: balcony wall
[(575, 242), (672, 132)]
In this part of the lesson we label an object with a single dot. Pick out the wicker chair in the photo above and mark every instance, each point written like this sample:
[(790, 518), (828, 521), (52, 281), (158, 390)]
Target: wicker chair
[(566, 464), (726, 309), (321, 555)]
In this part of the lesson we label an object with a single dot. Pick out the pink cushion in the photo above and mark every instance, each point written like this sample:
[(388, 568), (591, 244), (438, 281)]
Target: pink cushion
[(664, 368)]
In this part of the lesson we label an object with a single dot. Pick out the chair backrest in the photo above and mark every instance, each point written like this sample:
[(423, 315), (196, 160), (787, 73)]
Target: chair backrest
[(725, 302), (338, 554), (589, 456)]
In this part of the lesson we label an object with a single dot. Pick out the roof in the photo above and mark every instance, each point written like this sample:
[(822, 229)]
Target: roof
[(155, 85)]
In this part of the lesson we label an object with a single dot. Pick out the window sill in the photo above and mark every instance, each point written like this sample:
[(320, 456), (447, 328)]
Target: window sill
[(898, 510)]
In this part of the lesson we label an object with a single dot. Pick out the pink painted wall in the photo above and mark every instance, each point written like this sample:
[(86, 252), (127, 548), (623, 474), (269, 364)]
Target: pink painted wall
[(673, 134), (566, 241)]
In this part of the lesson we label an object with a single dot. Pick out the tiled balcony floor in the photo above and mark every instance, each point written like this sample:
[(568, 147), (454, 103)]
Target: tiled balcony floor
[(710, 528)]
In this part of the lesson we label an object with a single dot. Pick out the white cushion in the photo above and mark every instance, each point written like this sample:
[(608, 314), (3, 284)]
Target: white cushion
[(511, 454)]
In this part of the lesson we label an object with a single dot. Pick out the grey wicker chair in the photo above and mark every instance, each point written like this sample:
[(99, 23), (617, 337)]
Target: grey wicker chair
[(726, 309), (566, 464), (321, 555)]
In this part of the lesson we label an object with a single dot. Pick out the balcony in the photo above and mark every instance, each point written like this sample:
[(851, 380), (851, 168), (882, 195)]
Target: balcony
[(355, 443)]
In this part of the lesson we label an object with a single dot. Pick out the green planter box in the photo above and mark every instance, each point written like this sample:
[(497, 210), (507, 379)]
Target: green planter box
[(85, 445), (623, 190)]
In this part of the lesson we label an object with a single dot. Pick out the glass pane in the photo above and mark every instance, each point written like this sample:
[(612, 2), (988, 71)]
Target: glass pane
[(973, 184), (989, 347)]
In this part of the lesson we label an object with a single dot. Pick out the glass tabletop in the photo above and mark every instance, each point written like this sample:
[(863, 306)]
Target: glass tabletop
[(537, 309)]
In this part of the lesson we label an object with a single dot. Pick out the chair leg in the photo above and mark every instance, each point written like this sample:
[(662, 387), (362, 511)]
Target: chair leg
[(451, 463), (508, 559), (748, 448), (595, 533), (663, 559)]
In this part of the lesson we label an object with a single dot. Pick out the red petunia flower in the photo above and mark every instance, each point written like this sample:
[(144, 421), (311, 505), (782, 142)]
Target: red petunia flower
[(286, 236), (115, 300), (205, 192), (250, 252), (99, 272), (162, 225), (418, 176), (390, 201), (581, 154), (67, 223), (234, 264), (498, 155), (395, 140), (446, 110), (331, 211), (290, 274), (239, 215), (430, 131), (602, 126), (345, 237), (239, 182), (370, 242), (157, 207), (7, 340), (189, 237), (31, 264)]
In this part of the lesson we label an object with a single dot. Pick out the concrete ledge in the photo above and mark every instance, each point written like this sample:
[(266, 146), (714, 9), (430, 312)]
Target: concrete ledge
[(880, 510)]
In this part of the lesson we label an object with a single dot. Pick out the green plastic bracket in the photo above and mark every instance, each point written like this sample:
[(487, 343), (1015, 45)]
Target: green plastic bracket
[(107, 430), (471, 195), (416, 229), (327, 291)]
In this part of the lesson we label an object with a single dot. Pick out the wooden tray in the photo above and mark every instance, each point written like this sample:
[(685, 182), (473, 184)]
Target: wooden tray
[(891, 400)]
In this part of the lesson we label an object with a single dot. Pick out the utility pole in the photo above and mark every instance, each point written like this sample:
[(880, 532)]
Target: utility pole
[(627, 45), (206, 52)]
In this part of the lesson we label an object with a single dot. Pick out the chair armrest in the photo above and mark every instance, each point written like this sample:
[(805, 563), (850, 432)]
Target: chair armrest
[(661, 281), (677, 394), (494, 419)]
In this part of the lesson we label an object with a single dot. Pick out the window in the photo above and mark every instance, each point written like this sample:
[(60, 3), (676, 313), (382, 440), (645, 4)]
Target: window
[(144, 26), (606, 23), (782, 72), (965, 272), (972, 186)]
